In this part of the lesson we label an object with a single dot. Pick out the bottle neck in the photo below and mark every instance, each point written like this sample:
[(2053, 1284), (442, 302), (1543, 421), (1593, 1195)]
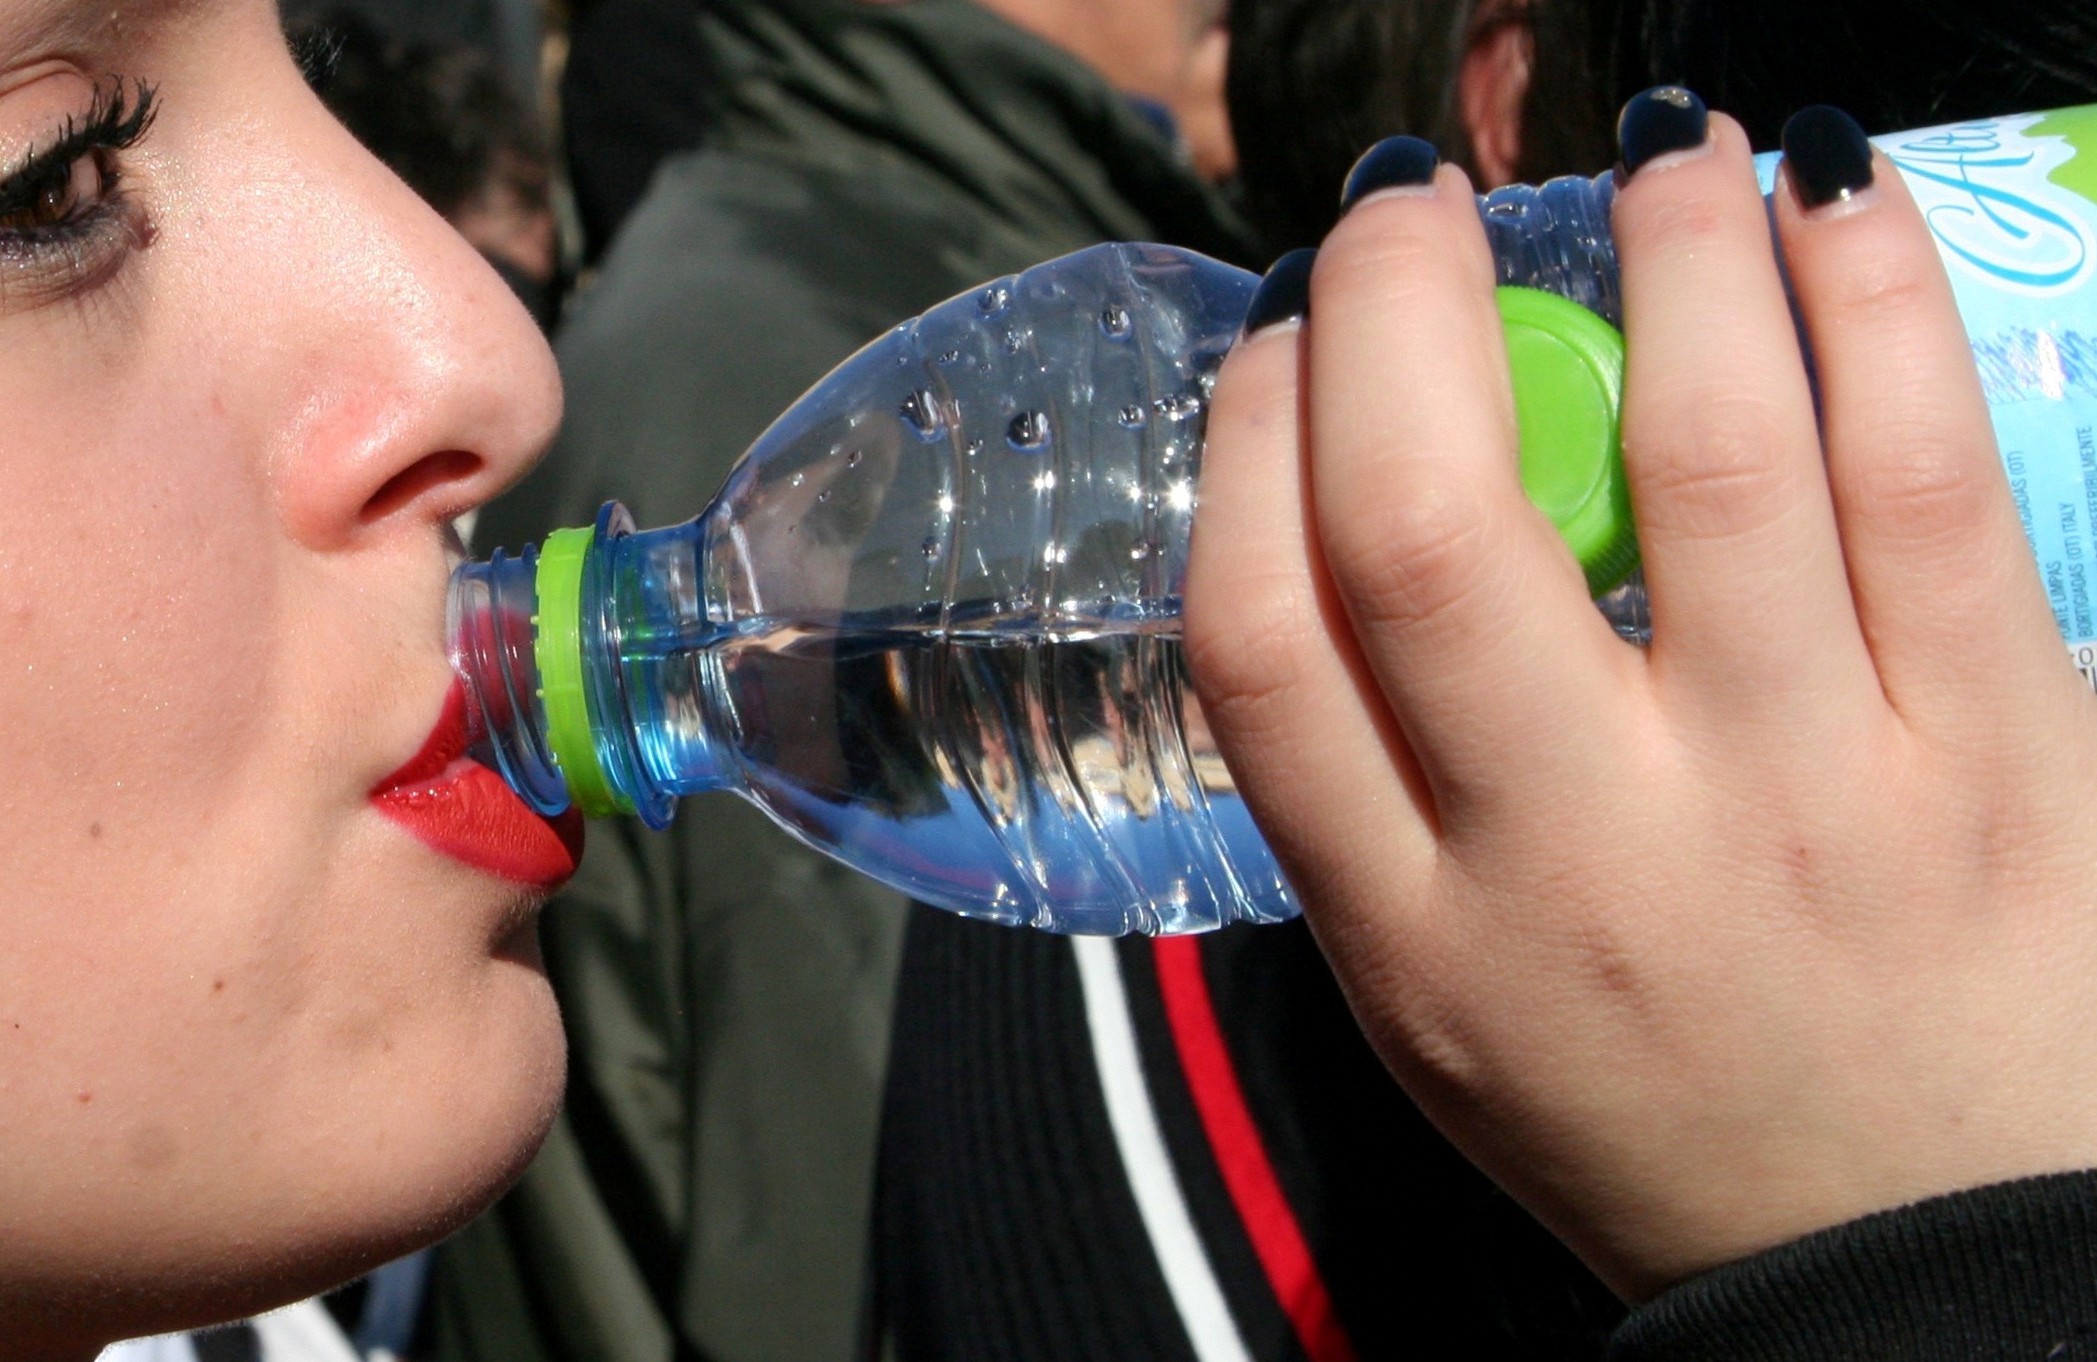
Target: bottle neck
[(584, 669), (489, 624), (652, 658)]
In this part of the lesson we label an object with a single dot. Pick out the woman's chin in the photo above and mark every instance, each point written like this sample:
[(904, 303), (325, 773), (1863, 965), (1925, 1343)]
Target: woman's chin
[(384, 1170)]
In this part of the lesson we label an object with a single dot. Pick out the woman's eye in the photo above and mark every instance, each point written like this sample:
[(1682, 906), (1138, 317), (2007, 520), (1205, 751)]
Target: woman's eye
[(68, 220), (65, 193)]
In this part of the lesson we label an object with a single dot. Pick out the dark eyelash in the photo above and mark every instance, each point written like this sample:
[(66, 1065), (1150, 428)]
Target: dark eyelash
[(117, 120)]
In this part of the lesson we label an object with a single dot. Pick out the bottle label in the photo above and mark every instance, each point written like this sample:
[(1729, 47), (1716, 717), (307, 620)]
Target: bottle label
[(2013, 205)]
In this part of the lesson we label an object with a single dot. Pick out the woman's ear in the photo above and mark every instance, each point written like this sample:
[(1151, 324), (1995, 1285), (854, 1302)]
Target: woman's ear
[(1491, 86)]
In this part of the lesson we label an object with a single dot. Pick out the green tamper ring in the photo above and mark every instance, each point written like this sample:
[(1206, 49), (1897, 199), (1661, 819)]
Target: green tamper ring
[(557, 647), (1568, 371)]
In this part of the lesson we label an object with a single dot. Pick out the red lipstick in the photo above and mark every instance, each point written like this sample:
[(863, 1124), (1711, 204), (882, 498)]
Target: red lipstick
[(454, 805)]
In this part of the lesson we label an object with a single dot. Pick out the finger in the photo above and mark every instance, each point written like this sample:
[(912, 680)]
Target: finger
[(1735, 525), (1468, 608), (1314, 751), (1946, 590)]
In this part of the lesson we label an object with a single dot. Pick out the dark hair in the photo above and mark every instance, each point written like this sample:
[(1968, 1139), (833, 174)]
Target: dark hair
[(1313, 82), (1892, 64), (442, 116)]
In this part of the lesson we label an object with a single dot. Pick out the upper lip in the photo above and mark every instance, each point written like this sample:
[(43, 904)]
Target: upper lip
[(461, 808), (446, 743)]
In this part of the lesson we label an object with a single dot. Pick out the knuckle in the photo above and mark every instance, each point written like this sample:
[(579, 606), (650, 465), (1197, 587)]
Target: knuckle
[(1724, 474), (1931, 490), (1410, 559), (1250, 665)]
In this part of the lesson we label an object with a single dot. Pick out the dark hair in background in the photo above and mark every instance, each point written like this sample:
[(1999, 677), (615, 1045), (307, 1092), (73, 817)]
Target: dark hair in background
[(635, 91), (442, 116), (1892, 64), (1314, 82)]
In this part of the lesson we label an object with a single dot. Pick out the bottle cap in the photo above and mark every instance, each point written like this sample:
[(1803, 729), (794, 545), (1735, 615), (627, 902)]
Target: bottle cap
[(557, 648), (1568, 371)]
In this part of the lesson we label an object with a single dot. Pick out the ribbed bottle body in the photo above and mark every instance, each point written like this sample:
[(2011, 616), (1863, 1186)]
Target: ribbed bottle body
[(932, 622), (940, 610)]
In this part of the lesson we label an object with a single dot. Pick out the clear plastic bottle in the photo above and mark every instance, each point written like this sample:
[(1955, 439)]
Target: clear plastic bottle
[(931, 622)]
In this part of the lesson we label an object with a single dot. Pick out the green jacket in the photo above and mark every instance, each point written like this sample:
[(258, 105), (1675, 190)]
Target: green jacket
[(708, 1189)]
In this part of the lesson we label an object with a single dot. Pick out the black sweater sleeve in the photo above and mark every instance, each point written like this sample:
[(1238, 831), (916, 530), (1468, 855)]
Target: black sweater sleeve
[(1999, 1274)]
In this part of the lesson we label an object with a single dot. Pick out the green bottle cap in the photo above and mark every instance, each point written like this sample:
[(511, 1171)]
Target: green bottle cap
[(1568, 371), (557, 648)]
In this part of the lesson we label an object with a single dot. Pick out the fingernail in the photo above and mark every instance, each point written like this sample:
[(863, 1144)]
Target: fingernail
[(1828, 156), (1285, 294), (1654, 122), (1394, 163)]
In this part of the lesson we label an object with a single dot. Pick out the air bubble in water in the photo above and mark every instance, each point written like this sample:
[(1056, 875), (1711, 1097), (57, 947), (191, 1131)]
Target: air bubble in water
[(994, 300), (852, 459), (1141, 549), (1029, 432), (1115, 321), (930, 548), (823, 495), (1132, 417), (1177, 408), (797, 479), (920, 411), (1016, 341), (950, 356)]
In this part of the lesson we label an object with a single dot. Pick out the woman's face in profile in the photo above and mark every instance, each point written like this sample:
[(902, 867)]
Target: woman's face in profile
[(253, 1035)]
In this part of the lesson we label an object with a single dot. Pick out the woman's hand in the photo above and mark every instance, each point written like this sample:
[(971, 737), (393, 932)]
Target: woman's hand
[(1792, 916)]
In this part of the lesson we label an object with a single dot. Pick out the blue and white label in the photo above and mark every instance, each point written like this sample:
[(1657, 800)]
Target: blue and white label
[(2009, 201)]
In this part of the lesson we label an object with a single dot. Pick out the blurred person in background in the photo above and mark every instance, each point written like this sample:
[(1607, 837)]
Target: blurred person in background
[(510, 33), (1503, 87), (446, 117), (709, 1191), (633, 91)]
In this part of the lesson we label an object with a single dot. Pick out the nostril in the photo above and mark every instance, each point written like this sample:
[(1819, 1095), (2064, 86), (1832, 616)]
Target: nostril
[(454, 467)]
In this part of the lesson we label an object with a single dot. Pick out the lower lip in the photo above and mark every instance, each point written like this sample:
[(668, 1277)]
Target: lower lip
[(456, 806), (469, 814)]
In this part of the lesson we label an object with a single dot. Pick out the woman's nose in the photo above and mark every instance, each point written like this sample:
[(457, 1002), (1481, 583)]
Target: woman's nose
[(429, 387)]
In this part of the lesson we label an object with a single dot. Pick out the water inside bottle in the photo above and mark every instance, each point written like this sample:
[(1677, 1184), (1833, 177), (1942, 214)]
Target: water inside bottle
[(1070, 784)]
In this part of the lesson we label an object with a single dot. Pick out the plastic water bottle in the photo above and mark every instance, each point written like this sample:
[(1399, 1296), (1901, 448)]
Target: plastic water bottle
[(931, 623)]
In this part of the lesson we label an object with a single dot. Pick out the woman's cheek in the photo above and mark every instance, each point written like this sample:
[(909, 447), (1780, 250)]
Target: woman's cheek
[(135, 616)]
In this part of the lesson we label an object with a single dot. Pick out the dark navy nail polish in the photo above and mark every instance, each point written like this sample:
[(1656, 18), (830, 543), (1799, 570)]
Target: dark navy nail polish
[(1657, 121), (1827, 154), (1285, 294), (1394, 163)]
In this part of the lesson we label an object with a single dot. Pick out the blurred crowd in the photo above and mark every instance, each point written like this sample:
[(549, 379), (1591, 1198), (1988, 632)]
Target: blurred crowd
[(808, 1121)]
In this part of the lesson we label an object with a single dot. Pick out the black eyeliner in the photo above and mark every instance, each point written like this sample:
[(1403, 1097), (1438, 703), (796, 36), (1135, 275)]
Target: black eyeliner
[(116, 121), (53, 245)]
